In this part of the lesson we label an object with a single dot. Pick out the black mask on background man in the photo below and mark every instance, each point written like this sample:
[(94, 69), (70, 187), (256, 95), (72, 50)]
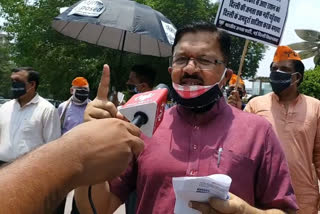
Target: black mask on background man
[(18, 89), (280, 81), (81, 94)]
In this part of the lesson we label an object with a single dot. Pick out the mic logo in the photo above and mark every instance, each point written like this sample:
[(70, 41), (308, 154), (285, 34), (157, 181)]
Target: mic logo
[(144, 97), (161, 112)]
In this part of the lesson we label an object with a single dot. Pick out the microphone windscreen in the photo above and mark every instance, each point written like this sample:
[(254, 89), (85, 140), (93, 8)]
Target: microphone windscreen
[(161, 86), (152, 104)]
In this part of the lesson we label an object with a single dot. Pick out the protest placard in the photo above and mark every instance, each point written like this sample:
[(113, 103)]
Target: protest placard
[(258, 20)]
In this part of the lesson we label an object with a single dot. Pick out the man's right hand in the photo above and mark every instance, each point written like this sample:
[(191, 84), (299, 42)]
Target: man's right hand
[(235, 100), (100, 107), (103, 149)]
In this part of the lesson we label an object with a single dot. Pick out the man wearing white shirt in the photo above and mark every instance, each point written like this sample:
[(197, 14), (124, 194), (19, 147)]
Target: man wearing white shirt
[(28, 120)]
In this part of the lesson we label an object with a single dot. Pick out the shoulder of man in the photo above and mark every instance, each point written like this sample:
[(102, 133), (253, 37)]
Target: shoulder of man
[(311, 100), (250, 119), (7, 104), (258, 101), (262, 98), (62, 105), (45, 103)]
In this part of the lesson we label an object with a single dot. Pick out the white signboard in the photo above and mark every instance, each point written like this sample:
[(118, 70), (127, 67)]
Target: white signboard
[(170, 31), (91, 8), (259, 20)]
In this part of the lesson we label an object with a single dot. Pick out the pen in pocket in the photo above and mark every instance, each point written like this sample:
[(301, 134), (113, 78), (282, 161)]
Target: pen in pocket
[(219, 156)]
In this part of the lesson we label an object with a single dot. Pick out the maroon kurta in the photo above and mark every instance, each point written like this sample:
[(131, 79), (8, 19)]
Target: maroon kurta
[(187, 144)]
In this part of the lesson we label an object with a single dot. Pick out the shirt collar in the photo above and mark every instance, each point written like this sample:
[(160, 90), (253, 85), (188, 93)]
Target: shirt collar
[(34, 100), (276, 98), (201, 118)]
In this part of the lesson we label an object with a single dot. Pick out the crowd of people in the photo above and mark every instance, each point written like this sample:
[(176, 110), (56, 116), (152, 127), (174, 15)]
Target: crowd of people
[(270, 147)]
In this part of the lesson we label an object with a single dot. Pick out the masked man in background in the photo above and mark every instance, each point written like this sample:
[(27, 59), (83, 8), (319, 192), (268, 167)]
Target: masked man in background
[(71, 111), (28, 121), (295, 118)]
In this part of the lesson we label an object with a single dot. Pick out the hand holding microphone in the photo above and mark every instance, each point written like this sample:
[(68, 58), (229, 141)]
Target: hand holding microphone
[(145, 110)]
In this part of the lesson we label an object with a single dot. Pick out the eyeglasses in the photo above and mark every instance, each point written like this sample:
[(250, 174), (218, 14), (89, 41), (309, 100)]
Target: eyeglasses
[(202, 63)]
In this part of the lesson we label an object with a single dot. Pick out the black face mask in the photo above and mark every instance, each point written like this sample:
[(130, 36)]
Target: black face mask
[(202, 103), (229, 90), (132, 89), (280, 81), (81, 94), (18, 89)]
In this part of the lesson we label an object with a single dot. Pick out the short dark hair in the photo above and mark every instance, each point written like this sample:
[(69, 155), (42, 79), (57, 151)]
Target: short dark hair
[(223, 37), (32, 74), (298, 66), (145, 74)]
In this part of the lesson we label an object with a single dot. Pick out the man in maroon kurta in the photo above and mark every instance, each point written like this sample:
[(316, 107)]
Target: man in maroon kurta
[(187, 144), (188, 141)]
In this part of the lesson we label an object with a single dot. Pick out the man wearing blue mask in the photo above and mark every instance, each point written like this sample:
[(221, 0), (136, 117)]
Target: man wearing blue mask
[(296, 120), (141, 79), (27, 121)]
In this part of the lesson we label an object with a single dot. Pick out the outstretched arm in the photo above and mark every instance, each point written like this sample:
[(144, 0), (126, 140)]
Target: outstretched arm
[(37, 182)]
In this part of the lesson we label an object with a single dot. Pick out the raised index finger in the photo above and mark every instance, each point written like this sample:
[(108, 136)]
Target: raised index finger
[(103, 89)]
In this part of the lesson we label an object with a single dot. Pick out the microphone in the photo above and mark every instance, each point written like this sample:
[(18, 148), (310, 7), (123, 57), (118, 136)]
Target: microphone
[(146, 110), (161, 85)]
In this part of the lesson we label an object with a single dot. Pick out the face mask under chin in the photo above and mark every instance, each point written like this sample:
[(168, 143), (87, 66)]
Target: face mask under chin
[(202, 103)]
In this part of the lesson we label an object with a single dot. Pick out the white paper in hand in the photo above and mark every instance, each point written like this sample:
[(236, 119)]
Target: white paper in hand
[(199, 189)]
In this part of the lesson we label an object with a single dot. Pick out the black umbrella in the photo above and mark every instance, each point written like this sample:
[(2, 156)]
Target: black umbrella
[(118, 24)]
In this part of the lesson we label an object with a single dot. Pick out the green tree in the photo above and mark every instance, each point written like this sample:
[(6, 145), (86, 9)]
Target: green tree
[(183, 12), (5, 68), (59, 59), (311, 83), (254, 55)]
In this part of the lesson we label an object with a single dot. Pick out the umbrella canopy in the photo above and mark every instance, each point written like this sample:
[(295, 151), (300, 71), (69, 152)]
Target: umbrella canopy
[(118, 24)]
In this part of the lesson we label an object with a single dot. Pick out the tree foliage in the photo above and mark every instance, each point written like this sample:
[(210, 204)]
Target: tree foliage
[(5, 69), (59, 59), (311, 83)]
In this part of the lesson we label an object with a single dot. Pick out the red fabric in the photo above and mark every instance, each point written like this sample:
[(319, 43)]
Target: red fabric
[(192, 91)]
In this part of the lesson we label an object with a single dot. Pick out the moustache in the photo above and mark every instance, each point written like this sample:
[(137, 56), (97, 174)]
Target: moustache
[(194, 76)]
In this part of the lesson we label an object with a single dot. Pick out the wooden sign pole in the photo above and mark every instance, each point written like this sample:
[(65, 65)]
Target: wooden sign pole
[(244, 52)]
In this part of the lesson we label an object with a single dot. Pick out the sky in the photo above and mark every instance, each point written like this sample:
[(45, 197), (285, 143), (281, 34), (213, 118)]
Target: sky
[(302, 15)]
